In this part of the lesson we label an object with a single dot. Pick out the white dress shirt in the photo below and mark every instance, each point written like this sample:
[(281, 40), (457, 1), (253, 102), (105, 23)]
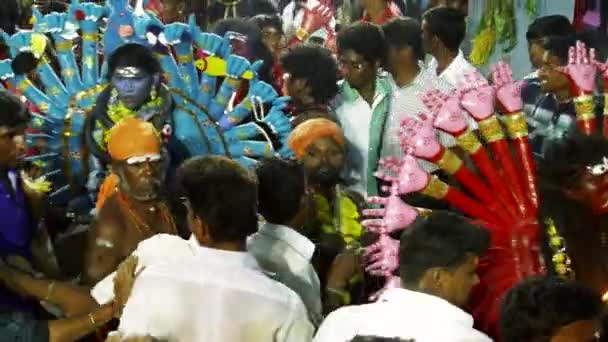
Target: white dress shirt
[(354, 115), (406, 102), (454, 76), (211, 295), (157, 249), (403, 314), (286, 253)]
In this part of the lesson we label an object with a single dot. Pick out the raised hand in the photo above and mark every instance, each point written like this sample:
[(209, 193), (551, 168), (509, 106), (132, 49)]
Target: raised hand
[(382, 257), (478, 96), (446, 109), (177, 33), (314, 19), (88, 15), (410, 176), (418, 136), (236, 66), (581, 69), (211, 43), (508, 91), (395, 215)]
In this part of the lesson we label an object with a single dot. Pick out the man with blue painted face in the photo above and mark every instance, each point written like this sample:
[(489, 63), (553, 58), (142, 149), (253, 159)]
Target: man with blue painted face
[(135, 90)]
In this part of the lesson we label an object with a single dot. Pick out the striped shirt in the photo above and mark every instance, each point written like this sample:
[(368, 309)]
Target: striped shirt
[(405, 101)]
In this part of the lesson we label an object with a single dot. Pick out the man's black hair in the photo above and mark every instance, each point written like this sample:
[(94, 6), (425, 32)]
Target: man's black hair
[(442, 239), (13, 112), (551, 25), (538, 307), (222, 194), (133, 55), (254, 42), (403, 33), (10, 15), (447, 24), (365, 39), (317, 66), (564, 159), (281, 187), (265, 20)]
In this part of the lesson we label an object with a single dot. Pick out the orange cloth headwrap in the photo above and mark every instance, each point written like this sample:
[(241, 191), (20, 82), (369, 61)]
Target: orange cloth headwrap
[(310, 130), (132, 137)]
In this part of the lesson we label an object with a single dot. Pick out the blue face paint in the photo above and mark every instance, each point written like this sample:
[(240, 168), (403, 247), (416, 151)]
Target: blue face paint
[(133, 86)]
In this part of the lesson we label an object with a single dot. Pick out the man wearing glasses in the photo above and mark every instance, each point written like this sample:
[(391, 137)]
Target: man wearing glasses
[(362, 103)]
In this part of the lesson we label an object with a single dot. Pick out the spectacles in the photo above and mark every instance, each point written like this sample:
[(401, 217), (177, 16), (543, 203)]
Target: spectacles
[(350, 64)]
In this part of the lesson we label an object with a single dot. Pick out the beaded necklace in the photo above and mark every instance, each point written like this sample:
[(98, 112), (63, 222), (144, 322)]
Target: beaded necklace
[(142, 227)]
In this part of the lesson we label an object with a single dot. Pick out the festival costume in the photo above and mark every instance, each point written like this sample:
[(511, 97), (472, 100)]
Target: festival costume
[(503, 198), (196, 112)]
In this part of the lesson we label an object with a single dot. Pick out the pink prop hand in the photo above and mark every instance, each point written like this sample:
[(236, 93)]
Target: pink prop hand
[(410, 176), (382, 257), (508, 92), (396, 215), (418, 136), (581, 69), (392, 282), (447, 110), (478, 99)]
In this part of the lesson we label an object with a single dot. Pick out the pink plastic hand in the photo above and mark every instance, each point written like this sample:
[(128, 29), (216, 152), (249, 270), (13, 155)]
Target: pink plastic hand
[(581, 69), (508, 92), (396, 215), (392, 282), (447, 110), (410, 176), (382, 257), (316, 18), (478, 98), (418, 136)]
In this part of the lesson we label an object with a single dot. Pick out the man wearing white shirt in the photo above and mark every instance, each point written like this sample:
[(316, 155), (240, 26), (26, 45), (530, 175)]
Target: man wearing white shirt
[(362, 103), (409, 81), (216, 291), (279, 246), (443, 30), (438, 259)]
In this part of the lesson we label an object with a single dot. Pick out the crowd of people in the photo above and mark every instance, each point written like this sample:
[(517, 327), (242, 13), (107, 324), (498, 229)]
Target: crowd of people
[(349, 229)]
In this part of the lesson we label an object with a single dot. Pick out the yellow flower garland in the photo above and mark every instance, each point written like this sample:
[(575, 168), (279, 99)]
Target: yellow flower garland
[(350, 228)]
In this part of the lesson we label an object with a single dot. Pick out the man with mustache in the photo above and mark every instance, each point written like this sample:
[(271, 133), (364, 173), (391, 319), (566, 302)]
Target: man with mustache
[(333, 220), (134, 210)]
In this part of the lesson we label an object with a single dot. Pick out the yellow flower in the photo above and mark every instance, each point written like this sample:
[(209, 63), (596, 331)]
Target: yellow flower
[(483, 45)]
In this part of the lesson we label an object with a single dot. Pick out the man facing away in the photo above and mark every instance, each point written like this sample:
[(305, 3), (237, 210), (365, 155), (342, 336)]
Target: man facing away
[(438, 258), (279, 246), (216, 291)]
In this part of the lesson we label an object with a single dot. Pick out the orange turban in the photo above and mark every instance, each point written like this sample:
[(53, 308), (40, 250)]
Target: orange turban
[(310, 130), (132, 137)]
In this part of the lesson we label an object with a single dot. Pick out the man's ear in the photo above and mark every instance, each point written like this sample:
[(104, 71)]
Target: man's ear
[(200, 231)]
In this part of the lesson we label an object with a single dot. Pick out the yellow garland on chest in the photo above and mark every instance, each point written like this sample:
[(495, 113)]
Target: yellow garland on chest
[(347, 224)]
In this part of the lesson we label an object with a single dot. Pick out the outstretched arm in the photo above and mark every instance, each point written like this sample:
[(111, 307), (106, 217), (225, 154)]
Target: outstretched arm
[(71, 329), (72, 299)]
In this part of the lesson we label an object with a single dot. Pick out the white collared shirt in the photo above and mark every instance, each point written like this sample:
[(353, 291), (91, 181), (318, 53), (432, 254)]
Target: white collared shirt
[(454, 76), (406, 102), (404, 314), (157, 249), (211, 296), (287, 253), (354, 115), (454, 73)]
